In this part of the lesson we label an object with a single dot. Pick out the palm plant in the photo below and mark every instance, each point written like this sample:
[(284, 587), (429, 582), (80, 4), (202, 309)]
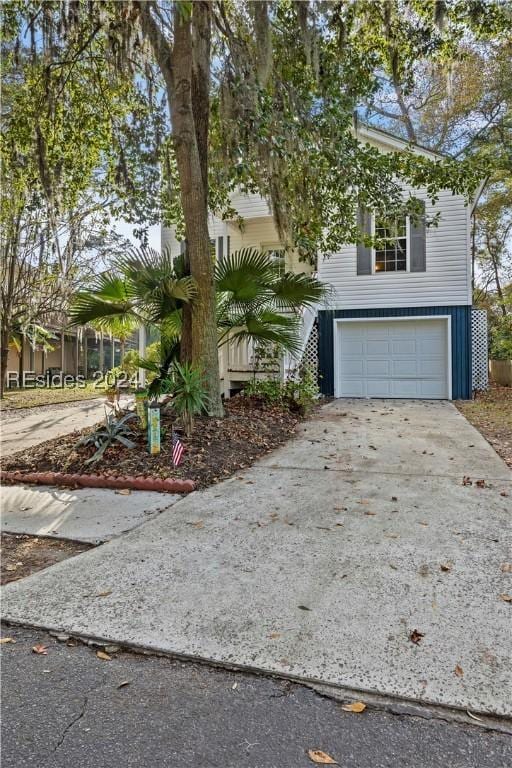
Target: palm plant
[(259, 302), (143, 287)]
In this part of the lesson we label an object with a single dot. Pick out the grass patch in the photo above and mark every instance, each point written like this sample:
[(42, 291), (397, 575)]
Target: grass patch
[(491, 413), (31, 398)]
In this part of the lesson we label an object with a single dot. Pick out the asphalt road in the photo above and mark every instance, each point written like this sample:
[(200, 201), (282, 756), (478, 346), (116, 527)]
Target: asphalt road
[(67, 708)]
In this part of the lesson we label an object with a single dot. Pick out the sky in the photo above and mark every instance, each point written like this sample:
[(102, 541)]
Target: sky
[(126, 229)]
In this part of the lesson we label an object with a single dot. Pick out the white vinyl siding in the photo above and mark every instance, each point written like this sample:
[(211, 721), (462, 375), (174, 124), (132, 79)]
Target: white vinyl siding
[(250, 206), (446, 281)]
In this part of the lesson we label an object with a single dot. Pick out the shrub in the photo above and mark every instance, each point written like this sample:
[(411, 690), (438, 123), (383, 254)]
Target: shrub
[(298, 393), (188, 393), (500, 342)]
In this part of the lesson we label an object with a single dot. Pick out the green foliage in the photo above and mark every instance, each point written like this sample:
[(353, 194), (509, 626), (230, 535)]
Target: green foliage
[(500, 347), (114, 430), (188, 393), (258, 302), (129, 363), (298, 393)]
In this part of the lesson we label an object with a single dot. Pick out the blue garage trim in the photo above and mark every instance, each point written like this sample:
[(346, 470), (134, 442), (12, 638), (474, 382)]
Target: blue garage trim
[(461, 342)]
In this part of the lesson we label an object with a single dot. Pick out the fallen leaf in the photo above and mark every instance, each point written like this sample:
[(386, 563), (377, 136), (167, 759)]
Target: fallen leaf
[(103, 655), (124, 491), (40, 649), (459, 671), (274, 635), (480, 484), (105, 593), (503, 493), (446, 566), (467, 480), (124, 683), (355, 706), (506, 598), (234, 686), (506, 567), (415, 636), (10, 567), (473, 716), (320, 758), (422, 522), (303, 607), (372, 514), (7, 640), (394, 498)]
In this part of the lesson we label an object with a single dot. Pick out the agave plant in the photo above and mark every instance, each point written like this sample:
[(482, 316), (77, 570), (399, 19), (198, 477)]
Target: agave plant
[(113, 430)]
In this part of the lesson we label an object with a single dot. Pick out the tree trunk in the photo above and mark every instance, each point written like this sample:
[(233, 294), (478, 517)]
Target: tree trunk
[(499, 290), (186, 71)]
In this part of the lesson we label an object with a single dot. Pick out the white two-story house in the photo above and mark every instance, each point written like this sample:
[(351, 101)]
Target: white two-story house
[(398, 321)]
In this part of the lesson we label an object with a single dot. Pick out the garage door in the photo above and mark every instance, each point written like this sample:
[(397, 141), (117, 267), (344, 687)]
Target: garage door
[(392, 358)]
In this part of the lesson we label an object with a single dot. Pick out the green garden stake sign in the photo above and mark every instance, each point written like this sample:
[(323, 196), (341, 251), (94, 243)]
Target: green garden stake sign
[(154, 427)]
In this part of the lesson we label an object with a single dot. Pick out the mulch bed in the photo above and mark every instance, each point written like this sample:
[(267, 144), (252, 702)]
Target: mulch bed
[(217, 449), (491, 413), (23, 554)]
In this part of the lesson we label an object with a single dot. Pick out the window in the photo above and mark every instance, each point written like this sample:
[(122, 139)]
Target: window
[(391, 248), (277, 254)]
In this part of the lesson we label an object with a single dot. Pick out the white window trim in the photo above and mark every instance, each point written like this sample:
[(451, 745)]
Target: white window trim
[(337, 328), (407, 249), (266, 247)]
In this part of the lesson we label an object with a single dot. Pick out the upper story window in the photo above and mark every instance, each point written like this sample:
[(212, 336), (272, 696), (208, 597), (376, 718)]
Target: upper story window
[(277, 253), (391, 251)]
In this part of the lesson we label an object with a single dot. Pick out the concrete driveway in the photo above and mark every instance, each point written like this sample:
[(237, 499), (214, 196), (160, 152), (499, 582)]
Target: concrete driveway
[(321, 563)]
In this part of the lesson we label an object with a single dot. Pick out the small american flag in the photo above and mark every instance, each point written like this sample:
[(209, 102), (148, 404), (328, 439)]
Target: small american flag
[(177, 450)]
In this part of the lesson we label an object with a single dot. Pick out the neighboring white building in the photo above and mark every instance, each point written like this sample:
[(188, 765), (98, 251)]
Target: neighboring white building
[(398, 322)]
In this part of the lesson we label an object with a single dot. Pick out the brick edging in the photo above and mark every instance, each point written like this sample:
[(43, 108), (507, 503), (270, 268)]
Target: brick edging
[(139, 483)]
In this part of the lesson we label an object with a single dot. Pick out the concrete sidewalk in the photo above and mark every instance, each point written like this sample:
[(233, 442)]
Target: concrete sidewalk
[(319, 563), (92, 515), (43, 423)]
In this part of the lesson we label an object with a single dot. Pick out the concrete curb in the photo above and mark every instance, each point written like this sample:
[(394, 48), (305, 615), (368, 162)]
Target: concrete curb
[(166, 485)]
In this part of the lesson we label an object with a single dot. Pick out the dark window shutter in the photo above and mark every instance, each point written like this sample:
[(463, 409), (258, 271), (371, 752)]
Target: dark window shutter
[(418, 257), (220, 248), (228, 246), (364, 252)]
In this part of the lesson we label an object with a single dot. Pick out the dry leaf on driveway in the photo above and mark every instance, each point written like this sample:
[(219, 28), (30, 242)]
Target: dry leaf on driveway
[(506, 598), (415, 636), (446, 566), (104, 656), (355, 706), (7, 640), (274, 635), (458, 671), (124, 492), (467, 480), (105, 593), (320, 758), (40, 649), (506, 567)]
